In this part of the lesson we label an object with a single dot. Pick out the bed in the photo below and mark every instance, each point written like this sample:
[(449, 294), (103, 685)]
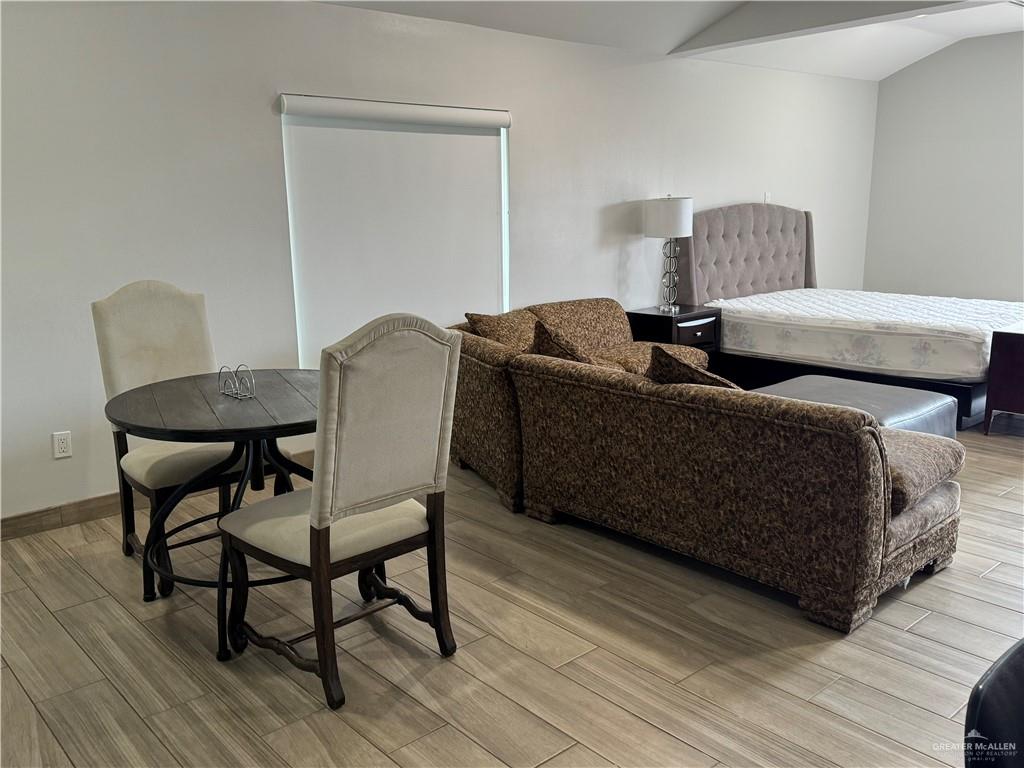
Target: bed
[(756, 263)]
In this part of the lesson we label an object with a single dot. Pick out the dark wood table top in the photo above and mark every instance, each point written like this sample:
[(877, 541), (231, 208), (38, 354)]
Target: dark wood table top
[(192, 409)]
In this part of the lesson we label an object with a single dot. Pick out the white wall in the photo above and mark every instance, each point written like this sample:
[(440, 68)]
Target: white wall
[(140, 140), (947, 194)]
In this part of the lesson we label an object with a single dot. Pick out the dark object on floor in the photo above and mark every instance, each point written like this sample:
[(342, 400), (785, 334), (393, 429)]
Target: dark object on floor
[(994, 728), (898, 407), (1005, 375)]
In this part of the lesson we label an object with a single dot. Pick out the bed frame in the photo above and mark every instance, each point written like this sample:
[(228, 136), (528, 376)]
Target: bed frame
[(741, 250)]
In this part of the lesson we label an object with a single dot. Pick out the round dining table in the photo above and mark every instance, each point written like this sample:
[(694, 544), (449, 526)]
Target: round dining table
[(194, 409)]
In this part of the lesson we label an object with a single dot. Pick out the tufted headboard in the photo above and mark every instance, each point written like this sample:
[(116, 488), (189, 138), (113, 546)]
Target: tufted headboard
[(745, 249)]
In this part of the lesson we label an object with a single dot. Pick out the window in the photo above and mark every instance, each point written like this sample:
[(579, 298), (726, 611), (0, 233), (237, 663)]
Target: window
[(393, 208)]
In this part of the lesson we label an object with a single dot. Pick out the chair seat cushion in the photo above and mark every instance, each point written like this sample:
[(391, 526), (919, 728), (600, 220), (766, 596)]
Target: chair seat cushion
[(280, 526), (160, 464), (163, 464), (635, 356), (900, 407), (917, 463)]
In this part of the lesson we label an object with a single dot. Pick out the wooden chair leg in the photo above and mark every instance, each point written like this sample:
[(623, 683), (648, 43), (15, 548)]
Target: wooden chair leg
[(323, 616), (165, 586), (148, 576), (437, 576), (127, 515), (127, 498), (223, 654), (239, 597)]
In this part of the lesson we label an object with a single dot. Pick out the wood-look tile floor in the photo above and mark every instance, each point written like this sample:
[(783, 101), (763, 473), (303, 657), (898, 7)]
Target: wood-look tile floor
[(577, 648)]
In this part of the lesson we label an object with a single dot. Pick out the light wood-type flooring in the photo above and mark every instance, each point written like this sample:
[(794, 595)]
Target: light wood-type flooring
[(576, 648)]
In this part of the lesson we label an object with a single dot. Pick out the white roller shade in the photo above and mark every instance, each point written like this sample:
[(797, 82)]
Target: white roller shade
[(392, 208), (392, 112)]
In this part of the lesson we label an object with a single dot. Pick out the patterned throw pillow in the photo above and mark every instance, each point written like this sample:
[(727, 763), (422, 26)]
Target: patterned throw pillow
[(588, 324), (667, 369), (516, 329), (635, 356), (554, 345)]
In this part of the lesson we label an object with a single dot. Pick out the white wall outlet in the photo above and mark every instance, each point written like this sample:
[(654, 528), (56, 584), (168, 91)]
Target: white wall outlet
[(767, 197), (61, 445)]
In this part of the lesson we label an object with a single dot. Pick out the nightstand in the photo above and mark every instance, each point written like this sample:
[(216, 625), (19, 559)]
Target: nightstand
[(1005, 375), (692, 326)]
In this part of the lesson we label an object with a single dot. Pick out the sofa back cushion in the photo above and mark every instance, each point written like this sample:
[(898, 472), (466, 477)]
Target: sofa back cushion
[(588, 324), (554, 345), (516, 329), (667, 368)]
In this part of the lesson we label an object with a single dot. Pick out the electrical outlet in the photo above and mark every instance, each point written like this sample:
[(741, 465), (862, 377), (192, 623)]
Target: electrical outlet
[(61, 445), (767, 197)]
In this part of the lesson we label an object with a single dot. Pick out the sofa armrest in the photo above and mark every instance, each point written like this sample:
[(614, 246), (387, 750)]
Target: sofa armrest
[(486, 351), (485, 423), (793, 494)]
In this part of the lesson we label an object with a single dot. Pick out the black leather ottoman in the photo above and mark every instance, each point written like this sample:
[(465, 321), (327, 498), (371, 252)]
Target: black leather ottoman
[(898, 407)]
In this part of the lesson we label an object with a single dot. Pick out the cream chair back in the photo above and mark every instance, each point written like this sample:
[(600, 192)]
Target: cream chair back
[(385, 416), (149, 331)]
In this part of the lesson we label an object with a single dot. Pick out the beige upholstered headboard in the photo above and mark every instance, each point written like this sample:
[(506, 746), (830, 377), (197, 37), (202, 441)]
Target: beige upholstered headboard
[(745, 249)]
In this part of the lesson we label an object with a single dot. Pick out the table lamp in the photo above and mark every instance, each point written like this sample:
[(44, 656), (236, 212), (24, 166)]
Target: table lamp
[(669, 217)]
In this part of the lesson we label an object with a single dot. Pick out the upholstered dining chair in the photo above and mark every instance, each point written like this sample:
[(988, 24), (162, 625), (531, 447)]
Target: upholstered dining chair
[(383, 433), (149, 331)]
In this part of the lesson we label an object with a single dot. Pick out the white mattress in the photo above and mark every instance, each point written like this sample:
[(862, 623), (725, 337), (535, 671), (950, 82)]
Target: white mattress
[(927, 337)]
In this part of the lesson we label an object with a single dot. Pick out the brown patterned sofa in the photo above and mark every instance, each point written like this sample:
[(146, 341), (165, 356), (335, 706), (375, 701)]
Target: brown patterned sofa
[(485, 430), (485, 423), (814, 499)]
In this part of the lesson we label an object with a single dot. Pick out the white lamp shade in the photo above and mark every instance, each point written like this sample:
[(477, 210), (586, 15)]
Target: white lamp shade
[(668, 217)]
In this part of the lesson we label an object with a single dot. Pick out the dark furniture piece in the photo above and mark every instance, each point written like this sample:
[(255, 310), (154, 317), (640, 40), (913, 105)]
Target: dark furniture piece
[(757, 372), (1005, 375), (386, 398), (192, 410), (752, 248), (898, 407), (994, 728), (691, 326)]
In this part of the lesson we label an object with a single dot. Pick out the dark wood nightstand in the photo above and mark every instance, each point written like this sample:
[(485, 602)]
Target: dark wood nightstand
[(1005, 375), (692, 326)]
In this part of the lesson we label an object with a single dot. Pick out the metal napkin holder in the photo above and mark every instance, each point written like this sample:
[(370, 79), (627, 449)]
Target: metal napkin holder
[(237, 383)]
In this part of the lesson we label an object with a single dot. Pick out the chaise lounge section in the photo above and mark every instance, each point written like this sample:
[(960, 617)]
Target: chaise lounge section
[(817, 500)]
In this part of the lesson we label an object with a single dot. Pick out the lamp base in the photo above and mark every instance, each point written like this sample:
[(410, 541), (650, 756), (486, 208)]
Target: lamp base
[(669, 278)]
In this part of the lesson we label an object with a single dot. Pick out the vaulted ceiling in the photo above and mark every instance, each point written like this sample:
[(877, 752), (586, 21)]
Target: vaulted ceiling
[(868, 40), (653, 27)]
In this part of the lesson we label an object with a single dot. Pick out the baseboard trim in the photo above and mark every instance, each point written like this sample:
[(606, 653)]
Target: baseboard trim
[(72, 512), (84, 510)]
